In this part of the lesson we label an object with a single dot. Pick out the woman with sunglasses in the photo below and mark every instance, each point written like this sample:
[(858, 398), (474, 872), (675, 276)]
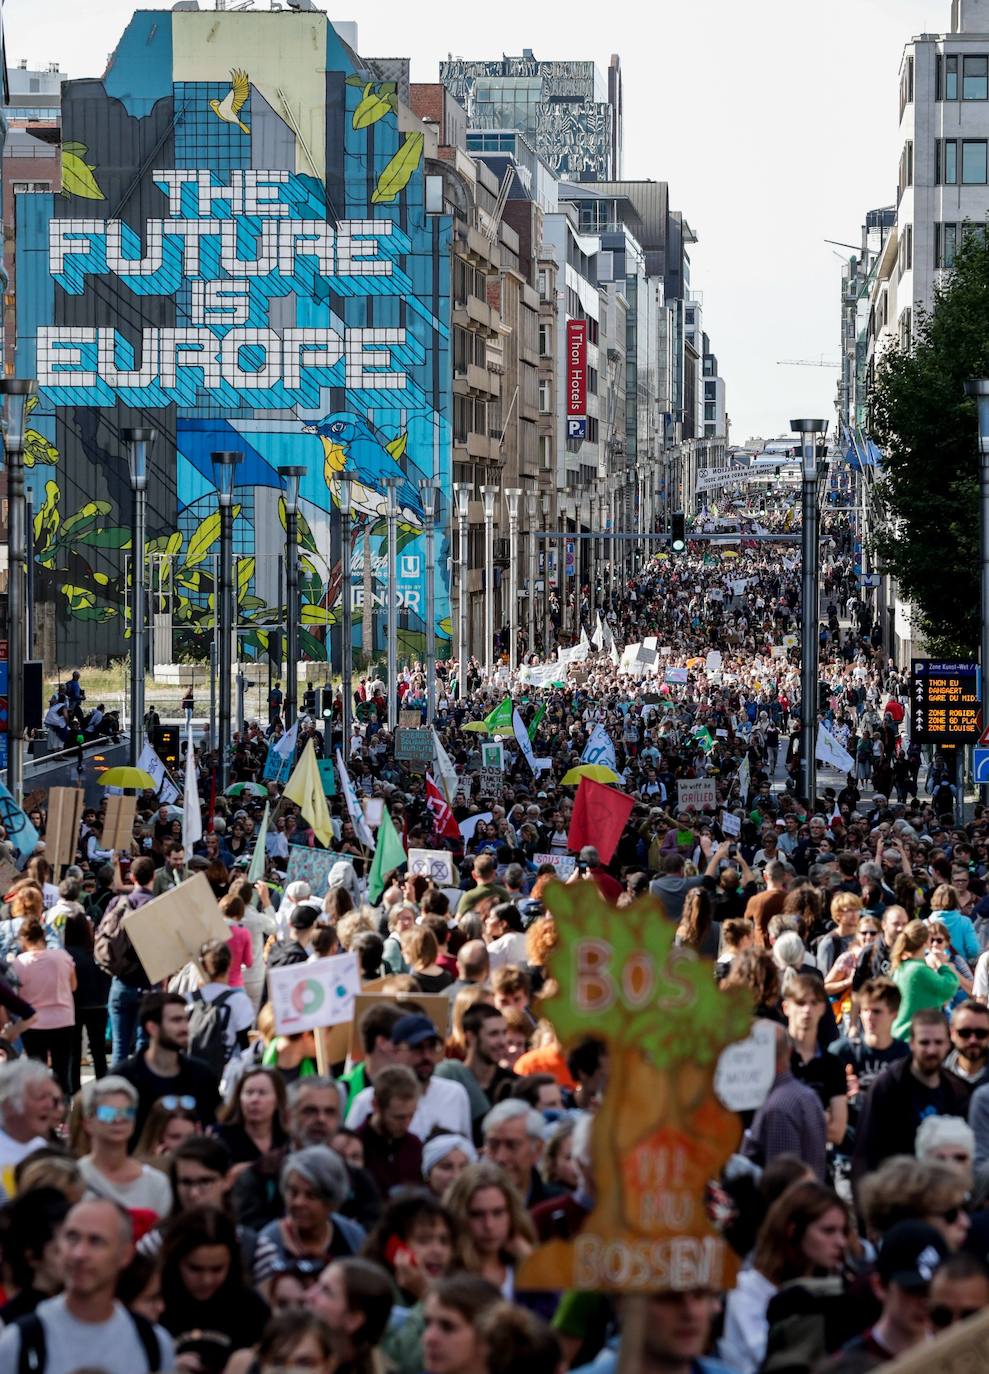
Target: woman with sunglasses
[(109, 1111), (171, 1120)]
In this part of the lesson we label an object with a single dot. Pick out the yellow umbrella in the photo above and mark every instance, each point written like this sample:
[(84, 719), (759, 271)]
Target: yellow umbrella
[(477, 725), (729, 553), (597, 772), (128, 777)]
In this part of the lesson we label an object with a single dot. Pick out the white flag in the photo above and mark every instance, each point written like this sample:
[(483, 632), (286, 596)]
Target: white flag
[(152, 765), (597, 638), (468, 826), (361, 828), (525, 744), (744, 778), (446, 774), (286, 745), (830, 752), (599, 749), (614, 654), (192, 816)]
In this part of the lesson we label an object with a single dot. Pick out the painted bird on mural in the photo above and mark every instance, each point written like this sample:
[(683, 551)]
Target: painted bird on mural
[(352, 447), (228, 109)]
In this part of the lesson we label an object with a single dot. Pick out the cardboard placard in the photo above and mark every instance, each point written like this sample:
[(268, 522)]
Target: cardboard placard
[(373, 808), (315, 994), (693, 794), (434, 1005), (563, 863), (746, 1070), (169, 931), (409, 720), (730, 823), (8, 876), (490, 782), (414, 745), (675, 676), (436, 864), (959, 1350), (118, 826), (493, 755), (65, 806)]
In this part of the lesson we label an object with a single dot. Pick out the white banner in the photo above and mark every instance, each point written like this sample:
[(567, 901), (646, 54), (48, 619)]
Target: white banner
[(600, 749), (525, 744), (693, 794), (830, 752), (318, 993), (563, 863)]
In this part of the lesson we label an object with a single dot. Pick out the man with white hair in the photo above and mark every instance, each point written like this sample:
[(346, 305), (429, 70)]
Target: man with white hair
[(513, 1135), (27, 1101)]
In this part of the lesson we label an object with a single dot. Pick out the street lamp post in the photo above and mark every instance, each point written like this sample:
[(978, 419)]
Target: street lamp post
[(980, 390), (224, 473), (532, 512), (810, 610), (512, 497), (463, 491), (428, 492), (391, 630), (292, 477), (16, 391), (137, 441), (347, 598), (489, 496), (545, 503)]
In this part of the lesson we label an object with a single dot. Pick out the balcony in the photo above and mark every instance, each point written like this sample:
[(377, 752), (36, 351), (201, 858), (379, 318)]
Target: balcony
[(476, 315), (476, 381), (476, 448), (485, 254)]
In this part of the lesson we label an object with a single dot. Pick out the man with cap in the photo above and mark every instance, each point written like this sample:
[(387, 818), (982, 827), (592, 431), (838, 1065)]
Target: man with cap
[(442, 1104), (909, 1257), (301, 925)]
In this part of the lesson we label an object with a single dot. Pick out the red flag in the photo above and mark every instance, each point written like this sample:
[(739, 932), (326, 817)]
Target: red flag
[(599, 816), (438, 807)]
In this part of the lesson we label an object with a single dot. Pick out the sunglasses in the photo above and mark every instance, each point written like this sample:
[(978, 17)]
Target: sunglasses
[(942, 1316), (972, 1032), (172, 1104), (950, 1216), (109, 1116)]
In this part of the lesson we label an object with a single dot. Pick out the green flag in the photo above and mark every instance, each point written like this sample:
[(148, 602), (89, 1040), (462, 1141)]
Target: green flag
[(256, 871), (534, 722), (500, 720), (388, 854), (703, 737)]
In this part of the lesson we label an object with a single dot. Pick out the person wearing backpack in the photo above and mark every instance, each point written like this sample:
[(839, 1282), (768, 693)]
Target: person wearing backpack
[(115, 955), (219, 1016), (165, 1069), (85, 1326)]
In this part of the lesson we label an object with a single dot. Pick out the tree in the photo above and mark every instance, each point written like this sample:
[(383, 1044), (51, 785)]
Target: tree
[(928, 430)]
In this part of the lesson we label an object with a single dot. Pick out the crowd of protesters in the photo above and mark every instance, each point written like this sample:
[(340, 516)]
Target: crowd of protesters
[(188, 1189)]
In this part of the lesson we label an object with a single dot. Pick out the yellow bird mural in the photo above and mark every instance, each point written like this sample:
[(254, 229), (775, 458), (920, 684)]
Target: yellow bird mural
[(228, 109)]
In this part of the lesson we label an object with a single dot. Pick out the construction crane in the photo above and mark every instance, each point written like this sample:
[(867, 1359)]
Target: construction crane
[(806, 362)]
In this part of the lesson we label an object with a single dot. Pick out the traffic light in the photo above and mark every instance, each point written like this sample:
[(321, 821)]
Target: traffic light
[(326, 702), (678, 531)]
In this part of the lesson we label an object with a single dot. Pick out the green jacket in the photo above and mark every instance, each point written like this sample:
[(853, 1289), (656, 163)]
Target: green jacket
[(920, 987)]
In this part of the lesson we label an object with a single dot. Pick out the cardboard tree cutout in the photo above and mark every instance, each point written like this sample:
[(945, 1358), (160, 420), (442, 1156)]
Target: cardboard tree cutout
[(660, 1134)]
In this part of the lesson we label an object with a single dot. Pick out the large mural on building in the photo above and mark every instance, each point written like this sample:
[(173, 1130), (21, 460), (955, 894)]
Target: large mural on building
[(240, 258)]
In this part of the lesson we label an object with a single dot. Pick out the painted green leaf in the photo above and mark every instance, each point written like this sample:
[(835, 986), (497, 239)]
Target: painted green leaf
[(97, 613), (446, 626), (310, 647), (252, 603), (168, 544), (77, 597), (77, 174), (398, 172), (37, 449), (84, 517), (32, 400), (204, 537), (372, 107), (397, 446), (105, 537), (317, 615), (245, 571), (306, 540)]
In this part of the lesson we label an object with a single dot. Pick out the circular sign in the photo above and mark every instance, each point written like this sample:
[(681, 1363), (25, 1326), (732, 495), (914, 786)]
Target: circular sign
[(307, 997)]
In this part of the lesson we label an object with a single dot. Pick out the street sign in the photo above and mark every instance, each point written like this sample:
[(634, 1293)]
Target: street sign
[(981, 757), (945, 700)]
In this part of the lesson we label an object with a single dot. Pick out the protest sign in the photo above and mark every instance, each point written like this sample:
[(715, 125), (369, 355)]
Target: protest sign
[(746, 1069), (62, 829), (730, 824), (118, 824), (493, 755), (675, 676), (490, 782), (414, 746), (959, 1350), (660, 1134), (432, 863), (789, 641), (693, 794), (168, 932), (276, 768), (434, 1005), (712, 664), (409, 720), (563, 863), (373, 808), (312, 866), (647, 657), (319, 993), (328, 777)]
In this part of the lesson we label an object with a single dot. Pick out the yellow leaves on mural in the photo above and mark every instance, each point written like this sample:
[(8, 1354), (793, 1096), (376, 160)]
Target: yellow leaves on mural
[(371, 108), (46, 521), (245, 571), (398, 172), (79, 598), (37, 449), (205, 535), (397, 446), (317, 615), (77, 174)]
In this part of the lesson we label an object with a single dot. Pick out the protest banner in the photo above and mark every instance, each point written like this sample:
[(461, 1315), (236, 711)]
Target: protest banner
[(168, 932), (647, 657), (62, 828), (676, 676), (660, 1134), (409, 720), (490, 782), (493, 755), (563, 863), (730, 824), (694, 794), (328, 777), (432, 863), (959, 1350), (712, 664), (276, 768), (312, 995), (434, 1005), (746, 1070), (118, 824), (414, 746), (373, 808), (312, 866)]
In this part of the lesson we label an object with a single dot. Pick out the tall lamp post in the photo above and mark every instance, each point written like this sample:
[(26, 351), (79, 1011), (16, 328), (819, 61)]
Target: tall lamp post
[(224, 474), (391, 618), (428, 492), (463, 492), (532, 512), (347, 597), (16, 391), (292, 477), (810, 609), (512, 497), (489, 496), (544, 501), (980, 390), (137, 441)]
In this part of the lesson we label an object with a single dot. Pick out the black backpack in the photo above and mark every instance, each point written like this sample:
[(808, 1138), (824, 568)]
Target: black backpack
[(208, 1023), (34, 1352)]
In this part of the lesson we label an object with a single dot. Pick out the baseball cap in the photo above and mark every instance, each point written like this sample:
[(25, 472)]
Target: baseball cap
[(413, 1029), (910, 1253)]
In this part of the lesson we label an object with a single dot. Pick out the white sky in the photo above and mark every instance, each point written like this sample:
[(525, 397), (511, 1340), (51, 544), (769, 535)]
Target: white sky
[(774, 121)]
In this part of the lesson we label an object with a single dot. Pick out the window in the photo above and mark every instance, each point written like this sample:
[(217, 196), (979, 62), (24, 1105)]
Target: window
[(975, 78), (945, 244), (20, 186), (947, 161), (906, 85), (710, 411), (906, 166), (906, 329), (905, 252), (543, 288), (545, 404), (974, 162), (592, 381), (545, 333), (592, 430), (947, 78)]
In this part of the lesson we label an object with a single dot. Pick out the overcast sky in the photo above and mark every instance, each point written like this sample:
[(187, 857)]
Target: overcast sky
[(775, 124)]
